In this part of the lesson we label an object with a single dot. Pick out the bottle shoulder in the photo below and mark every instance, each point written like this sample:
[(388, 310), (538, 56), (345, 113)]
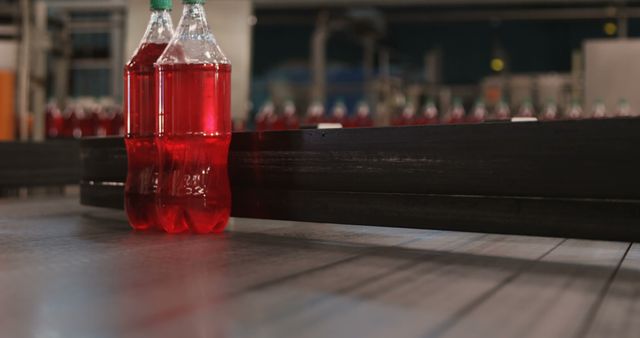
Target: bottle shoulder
[(193, 41), (145, 57)]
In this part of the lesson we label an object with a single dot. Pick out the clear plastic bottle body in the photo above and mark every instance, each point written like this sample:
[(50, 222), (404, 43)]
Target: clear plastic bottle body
[(194, 128), (139, 127)]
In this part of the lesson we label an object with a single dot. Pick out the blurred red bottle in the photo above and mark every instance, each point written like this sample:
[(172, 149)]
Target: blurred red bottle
[(104, 122), (457, 113), (117, 123), (407, 118), (362, 119), (549, 111), (54, 121), (315, 114), (526, 109), (288, 120), (70, 125), (140, 98), (478, 114), (194, 128), (502, 111), (429, 114), (338, 113), (85, 122), (266, 118)]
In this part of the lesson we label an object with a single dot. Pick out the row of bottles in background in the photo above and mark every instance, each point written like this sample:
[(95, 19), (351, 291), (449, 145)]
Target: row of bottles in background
[(82, 118), (502, 111), (268, 119)]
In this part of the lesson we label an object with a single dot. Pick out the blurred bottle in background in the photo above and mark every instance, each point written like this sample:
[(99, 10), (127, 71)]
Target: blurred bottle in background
[(117, 123), (549, 111), (407, 117), (457, 113), (70, 126), (479, 112), (502, 111), (54, 122), (338, 113), (624, 108), (362, 118), (266, 117), (84, 121), (574, 111), (599, 110), (429, 113), (526, 109), (288, 120), (315, 113)]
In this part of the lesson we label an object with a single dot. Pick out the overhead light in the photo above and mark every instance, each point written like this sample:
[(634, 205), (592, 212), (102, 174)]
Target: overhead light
[(497, 64), (610, 28)]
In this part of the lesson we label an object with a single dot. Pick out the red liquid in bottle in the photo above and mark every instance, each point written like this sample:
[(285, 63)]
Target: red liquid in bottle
[(194, 126), (140, 110)]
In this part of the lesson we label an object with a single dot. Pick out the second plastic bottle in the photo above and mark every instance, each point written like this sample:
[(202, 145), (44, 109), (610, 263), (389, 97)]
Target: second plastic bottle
[(140, 111), (193, 127)]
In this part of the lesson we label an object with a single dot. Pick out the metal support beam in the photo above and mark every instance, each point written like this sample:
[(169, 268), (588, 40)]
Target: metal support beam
[(38, 82), (117, 56), (319, 57), (369, 55), (87, 6), (62, 64), (24, 57)]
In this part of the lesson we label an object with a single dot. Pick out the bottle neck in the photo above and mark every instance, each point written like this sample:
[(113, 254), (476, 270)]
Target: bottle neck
[(193, 24), (193, 11), (160, 27)]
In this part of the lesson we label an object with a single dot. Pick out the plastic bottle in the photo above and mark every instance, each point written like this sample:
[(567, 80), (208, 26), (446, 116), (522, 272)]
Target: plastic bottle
[(140, 97), (266, 116), (429, 113), (54, 120), (479, 112), (289, 119), (574, 111), (315, 113), (457, 113), (550, 111), (194, 128), (624, 108), (362, 118), (502, 111), (599, 110), (526, 109), (85, 117), (71, 127), (407, 117), (339, 113)]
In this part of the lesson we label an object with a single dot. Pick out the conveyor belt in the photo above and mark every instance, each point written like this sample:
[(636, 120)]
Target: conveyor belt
[(73, 271)]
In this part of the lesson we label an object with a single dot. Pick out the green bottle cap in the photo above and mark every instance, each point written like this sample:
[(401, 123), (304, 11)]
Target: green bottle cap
[(193, 2), (161, 4)]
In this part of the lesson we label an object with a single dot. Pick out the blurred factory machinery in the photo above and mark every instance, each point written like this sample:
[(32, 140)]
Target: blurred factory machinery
[(384, 60)]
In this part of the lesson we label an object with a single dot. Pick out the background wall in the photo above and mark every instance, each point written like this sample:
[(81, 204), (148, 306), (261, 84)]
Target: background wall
[(611, 71)]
